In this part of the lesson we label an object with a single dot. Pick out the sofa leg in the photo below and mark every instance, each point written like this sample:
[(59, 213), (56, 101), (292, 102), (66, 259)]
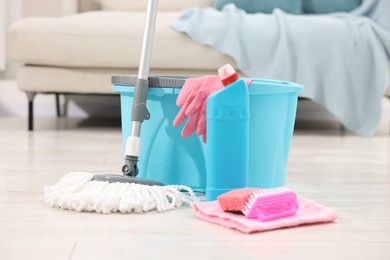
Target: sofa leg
[(65, 106), (342, 129), (30, 97), (58, 105)]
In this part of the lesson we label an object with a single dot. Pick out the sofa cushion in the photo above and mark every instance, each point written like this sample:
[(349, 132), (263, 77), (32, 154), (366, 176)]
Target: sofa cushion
[(106, 40), (329, 6), (262, 6), (141, 5)]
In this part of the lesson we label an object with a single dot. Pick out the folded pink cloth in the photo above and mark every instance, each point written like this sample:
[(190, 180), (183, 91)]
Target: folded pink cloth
[(309, 212)]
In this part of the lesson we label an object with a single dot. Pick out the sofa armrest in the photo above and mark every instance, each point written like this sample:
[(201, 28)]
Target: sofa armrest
[(49, 7)]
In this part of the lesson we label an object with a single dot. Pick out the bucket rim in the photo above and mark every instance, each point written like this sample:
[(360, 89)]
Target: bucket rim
[(257, 86)]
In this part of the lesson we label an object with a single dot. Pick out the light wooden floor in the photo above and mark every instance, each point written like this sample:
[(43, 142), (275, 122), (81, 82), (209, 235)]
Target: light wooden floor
[(348, 173)]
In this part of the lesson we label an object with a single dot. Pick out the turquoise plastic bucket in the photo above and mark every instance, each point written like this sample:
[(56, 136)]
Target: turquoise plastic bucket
[(273, 106), (171, 159), (165, 156)]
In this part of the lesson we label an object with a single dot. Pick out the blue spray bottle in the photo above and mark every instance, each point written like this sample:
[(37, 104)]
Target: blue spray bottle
[(227, 145)]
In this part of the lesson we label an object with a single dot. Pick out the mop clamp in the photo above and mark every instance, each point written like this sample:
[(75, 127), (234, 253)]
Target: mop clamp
[(139, 110), (130, 167), (133, 147)]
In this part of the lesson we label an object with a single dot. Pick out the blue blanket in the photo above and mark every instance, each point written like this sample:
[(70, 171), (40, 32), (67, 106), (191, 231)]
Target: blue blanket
[(342, 59)]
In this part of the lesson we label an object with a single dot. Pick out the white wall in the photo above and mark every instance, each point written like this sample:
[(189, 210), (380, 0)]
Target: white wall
[(3, 6), (10, 11)]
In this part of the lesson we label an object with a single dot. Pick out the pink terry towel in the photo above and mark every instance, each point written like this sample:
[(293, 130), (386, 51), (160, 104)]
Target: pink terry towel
[(309, 212)]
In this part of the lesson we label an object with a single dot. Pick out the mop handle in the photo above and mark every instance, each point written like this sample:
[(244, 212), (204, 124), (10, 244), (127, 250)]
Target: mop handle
[(139, 110), (147, 44)]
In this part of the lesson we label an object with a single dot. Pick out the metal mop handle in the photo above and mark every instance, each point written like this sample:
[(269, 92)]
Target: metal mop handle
[(139, 110), (147, 44)]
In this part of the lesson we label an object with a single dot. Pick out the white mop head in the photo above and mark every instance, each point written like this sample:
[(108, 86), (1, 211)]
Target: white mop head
[(76, 191)]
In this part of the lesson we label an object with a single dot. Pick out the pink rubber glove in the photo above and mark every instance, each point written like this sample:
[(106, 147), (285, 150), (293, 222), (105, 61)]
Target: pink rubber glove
[(186, 96), (197, 108), (210, 85), (192, 98)]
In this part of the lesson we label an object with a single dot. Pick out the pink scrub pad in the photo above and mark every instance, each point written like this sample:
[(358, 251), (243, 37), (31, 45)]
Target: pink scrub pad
[(262, 204), (235, 200)]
